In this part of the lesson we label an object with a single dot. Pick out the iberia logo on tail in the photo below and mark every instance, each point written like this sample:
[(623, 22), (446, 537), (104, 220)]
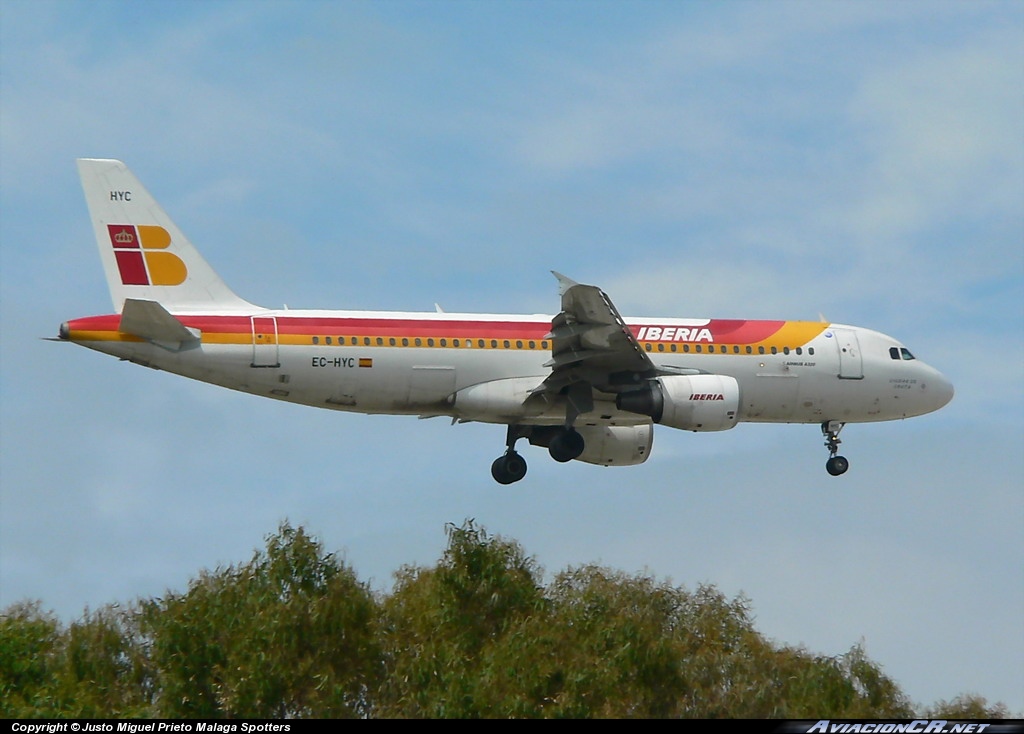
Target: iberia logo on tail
[(141, 260)]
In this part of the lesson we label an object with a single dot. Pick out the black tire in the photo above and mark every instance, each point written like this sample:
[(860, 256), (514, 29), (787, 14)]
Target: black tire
[(567, 445), (509, 468), (837, 465)]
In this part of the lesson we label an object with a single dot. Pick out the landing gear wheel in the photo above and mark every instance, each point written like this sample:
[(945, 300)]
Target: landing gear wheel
[(508, 468), (837, 465), (567, 445)]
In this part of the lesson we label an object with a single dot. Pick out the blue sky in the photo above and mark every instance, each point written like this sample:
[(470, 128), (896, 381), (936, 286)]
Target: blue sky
[(861, 160)]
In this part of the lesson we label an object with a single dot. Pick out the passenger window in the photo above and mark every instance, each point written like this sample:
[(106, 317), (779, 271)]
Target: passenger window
[(316, 340), (391, 341)]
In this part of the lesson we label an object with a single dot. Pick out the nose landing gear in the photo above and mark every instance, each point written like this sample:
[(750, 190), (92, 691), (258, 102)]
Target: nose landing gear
[(835, 465)]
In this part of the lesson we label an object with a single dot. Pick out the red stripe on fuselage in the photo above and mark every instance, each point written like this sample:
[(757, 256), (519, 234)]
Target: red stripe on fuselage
[(730, 331)]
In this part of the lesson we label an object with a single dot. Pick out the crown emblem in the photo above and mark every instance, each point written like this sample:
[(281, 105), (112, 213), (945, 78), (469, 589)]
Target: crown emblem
[(124, 237)]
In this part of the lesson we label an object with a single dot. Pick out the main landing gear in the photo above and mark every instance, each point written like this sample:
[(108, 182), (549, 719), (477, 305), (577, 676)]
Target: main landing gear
[(835, 465), (508, 468), (564, 443)]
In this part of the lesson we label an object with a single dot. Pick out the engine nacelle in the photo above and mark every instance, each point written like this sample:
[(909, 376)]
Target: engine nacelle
[(616, 445), (689, 402), (605, 445)]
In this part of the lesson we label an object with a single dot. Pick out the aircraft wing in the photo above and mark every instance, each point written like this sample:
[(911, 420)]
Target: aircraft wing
[(591, 346)]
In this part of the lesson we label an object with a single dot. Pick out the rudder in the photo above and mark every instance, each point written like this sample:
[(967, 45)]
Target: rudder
[(145, 256)]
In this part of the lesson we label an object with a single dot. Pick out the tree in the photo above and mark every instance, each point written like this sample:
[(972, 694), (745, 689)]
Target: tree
[(29, 640), (94, 667), (291, 633), (440, 622), (968, 706), (479, 636)]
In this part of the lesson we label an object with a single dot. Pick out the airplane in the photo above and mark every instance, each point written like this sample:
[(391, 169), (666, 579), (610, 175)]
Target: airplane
[(585, 383)]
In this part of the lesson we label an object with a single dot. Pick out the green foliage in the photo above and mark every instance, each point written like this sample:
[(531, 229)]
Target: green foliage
[(92, 668), (29, 639), (968, 706), (293, 633), (104, 667), (441, 621)]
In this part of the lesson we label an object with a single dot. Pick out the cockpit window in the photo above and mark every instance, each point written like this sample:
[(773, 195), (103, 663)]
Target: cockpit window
[(894, 352), (900, 353), (906, 353)]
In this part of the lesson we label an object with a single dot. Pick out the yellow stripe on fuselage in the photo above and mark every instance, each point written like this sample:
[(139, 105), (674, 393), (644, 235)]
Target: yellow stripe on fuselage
[(792, 334)]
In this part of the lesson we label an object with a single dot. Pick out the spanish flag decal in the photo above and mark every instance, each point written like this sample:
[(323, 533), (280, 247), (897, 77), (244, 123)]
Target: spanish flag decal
[(364, 362)]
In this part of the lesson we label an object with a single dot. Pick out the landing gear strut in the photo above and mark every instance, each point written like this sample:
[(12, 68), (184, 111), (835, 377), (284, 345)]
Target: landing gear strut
[(835, 465), (510, 467), (567, 444)]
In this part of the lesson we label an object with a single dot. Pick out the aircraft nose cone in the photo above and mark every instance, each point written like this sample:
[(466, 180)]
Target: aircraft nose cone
[(940, 390)]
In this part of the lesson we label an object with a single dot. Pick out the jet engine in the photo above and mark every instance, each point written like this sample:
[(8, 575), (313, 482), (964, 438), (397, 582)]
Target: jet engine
[(689, 402)]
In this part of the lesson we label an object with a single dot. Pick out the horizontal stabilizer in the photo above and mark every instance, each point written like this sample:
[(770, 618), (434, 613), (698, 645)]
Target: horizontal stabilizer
[(151, 321)]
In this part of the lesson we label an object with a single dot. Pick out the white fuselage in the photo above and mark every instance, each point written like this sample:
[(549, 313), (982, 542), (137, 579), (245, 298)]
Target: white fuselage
[(414, 363)]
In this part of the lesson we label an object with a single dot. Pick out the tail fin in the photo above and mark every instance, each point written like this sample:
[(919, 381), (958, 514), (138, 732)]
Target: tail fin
[(145, 256)]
